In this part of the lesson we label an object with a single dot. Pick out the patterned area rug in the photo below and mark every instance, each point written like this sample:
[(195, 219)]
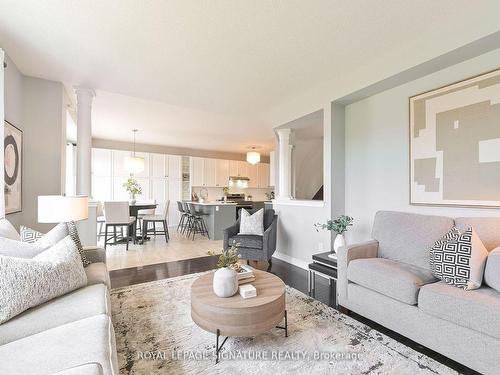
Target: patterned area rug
[(155, 335)]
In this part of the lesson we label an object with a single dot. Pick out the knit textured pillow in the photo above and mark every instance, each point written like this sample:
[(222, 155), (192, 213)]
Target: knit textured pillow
[(27, 283), (459, 259)]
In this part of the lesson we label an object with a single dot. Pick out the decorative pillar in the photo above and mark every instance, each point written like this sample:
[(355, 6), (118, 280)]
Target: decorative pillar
[(84, 98), (284, 164)]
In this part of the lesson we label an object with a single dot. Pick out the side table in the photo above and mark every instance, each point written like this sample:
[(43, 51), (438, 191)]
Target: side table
[(326, 267)]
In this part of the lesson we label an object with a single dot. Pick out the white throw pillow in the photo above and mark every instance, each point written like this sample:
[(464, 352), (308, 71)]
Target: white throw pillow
[(7, 230), (27, 283), (19, 249), (252, 224), (459, 259), (53, 236), (492, 269)]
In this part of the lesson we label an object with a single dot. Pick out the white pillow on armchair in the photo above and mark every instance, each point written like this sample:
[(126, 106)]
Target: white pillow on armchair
[(252, 224)]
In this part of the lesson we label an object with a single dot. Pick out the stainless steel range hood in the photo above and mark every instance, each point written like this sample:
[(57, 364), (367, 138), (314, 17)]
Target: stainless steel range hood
[(239, 181)]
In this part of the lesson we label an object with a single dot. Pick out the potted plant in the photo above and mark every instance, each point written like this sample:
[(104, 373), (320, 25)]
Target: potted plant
[(133, 188), (339, 226), (225, 282), (225, 192)]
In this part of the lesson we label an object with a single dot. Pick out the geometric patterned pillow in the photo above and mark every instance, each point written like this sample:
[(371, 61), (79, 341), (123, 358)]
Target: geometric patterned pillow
[(459, 259), (29, 235)]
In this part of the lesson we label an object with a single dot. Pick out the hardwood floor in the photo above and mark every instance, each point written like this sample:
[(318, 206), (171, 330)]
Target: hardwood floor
[(291, 275), (157, 251)]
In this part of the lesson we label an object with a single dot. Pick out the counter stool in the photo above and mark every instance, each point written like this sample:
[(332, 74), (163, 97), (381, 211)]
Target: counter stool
[(197, 224)]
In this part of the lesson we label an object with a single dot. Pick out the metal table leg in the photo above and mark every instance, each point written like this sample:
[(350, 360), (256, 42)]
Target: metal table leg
[(286, 325), (217, 347)]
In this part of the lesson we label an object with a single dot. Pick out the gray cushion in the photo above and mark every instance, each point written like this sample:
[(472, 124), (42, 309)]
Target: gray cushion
[(477, 309), (268, 217), (394, 279), (247, 240), (487, 228), (407, 237), (97, 273), (492, 270), (84, 341), (82, 303)]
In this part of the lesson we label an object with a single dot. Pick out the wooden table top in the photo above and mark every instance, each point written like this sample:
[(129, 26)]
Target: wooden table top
[(236, 316), (269, 288)]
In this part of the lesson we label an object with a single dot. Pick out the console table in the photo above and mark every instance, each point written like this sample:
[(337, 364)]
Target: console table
[(326, 267)]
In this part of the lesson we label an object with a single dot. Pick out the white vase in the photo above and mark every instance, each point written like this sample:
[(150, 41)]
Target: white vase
[(225, 282), (339, 242), (132, 199)]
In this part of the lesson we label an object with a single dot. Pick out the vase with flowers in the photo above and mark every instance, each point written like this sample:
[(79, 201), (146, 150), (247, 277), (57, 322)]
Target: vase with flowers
[(133, 188), (225, 282), (339, 226)]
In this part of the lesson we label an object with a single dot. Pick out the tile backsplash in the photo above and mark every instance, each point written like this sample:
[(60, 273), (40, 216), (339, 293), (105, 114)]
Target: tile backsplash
[(215, 193)]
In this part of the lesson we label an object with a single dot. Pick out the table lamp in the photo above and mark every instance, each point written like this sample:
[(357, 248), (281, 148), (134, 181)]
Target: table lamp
[(62, 209)]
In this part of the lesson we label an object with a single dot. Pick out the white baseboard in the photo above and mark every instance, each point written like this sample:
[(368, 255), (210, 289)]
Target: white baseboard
[(295, 261)]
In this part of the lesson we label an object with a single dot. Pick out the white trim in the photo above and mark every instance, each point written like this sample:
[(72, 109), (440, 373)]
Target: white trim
[(2, 118), (298, 202), (287, 258)]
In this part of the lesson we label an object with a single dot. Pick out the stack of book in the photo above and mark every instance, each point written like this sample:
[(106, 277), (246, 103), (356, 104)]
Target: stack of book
[(245, 274)]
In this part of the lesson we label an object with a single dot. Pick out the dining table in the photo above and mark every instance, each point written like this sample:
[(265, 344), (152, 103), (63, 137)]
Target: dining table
[(134, 211)]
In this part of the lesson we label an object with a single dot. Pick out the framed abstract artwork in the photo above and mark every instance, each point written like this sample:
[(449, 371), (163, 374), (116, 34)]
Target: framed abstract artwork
[(13, 151), (455, 144)]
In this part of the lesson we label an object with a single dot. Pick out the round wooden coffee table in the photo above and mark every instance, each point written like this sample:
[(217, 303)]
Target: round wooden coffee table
[(236, 316)]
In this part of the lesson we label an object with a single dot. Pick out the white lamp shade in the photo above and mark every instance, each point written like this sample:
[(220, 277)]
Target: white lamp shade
[(134, 164), (253, 157), (61, 209)]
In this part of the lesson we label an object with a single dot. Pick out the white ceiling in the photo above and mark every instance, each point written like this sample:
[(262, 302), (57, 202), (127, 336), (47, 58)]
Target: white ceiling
[(211, 70)]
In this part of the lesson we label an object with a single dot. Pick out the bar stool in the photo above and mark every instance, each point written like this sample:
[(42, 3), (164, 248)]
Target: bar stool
[(162, 218), (197, 222), (117, 214), (187, 224), (184, 216)]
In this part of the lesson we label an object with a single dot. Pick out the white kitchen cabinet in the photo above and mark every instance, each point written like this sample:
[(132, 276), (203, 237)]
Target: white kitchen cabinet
[(233, 167), (222, 173), (263, 175), (253, 175), (243, 168), (159, 189), (197, 166), (209, 175), (174, 166), (158, 165)]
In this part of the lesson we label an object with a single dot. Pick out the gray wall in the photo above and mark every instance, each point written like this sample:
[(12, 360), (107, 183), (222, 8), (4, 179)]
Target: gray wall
[(36, 106), (377, 149)]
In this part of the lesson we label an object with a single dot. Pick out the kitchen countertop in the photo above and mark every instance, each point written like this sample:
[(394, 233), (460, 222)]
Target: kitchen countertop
[(213, 203)]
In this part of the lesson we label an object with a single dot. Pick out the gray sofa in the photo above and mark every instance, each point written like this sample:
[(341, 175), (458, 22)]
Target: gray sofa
[(253, 247), (70, 335), (388, 280)]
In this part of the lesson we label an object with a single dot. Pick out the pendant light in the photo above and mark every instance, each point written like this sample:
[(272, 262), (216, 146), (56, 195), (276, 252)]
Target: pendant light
[(134, 164), (253, 157)]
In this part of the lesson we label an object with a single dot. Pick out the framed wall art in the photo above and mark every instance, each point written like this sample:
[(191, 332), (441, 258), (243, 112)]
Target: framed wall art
[(13, 151), (455, 144)]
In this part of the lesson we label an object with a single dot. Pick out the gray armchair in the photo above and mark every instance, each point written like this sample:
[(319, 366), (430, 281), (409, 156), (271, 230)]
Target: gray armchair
[(253, 247)]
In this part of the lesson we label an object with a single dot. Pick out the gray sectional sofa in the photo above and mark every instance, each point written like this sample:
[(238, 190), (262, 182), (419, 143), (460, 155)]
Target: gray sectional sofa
[(388, 280), (69, 335)]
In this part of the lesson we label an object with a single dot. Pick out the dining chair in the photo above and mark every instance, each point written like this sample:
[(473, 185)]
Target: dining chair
[(142, 213), (117, 214), (100, 220), (161, 218)]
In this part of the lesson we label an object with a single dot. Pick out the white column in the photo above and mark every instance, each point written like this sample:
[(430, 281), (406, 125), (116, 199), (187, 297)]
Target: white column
[(284, 164), (84, 98)]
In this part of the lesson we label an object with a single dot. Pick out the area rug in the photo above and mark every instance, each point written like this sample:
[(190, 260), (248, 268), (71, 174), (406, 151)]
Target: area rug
[(155, 335)]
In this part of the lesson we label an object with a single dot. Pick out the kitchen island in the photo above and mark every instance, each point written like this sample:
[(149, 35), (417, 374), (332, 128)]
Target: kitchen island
[(217, 217)]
